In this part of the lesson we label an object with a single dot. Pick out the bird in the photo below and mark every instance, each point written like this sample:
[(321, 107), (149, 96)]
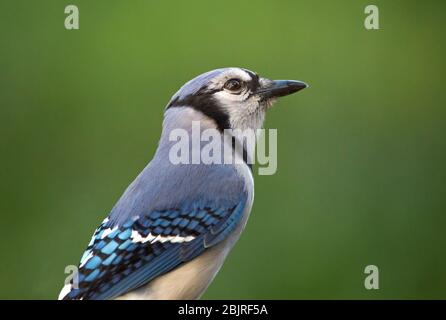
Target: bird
[(171, 230)]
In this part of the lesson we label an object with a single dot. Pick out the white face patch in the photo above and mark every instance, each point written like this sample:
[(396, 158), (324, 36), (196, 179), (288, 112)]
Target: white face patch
[(243, 114), (138, 238), (245, 110), (231, 73)]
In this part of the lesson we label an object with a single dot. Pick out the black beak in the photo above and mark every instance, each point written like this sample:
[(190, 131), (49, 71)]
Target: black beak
[(280, 88)]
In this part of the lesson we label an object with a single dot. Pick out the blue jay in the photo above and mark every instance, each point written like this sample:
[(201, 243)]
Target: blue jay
[(171, 230)]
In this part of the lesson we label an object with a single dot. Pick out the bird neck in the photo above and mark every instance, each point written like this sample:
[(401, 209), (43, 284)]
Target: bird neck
[(191, 137)]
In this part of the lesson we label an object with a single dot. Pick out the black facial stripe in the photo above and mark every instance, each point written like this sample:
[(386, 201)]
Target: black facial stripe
[(207, 105), (204, 102), (245, 153), (254, 84)]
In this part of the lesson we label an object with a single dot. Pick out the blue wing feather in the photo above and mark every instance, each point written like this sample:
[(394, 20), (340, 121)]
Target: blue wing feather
[(116, 262)]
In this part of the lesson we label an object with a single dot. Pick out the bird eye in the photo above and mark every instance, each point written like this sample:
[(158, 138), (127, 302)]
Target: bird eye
[(233, 85)]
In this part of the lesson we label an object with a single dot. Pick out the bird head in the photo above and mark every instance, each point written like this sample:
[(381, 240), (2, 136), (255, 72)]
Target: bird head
[(234, 98)]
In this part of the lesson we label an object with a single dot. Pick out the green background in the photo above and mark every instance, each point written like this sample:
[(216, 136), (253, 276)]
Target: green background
[(361, 153)]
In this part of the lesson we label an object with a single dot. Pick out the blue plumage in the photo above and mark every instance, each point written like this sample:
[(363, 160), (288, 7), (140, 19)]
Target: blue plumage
[(175, 212), (122, 258)]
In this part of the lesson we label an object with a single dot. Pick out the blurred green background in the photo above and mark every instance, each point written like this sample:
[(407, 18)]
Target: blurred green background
[(361, 164)]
